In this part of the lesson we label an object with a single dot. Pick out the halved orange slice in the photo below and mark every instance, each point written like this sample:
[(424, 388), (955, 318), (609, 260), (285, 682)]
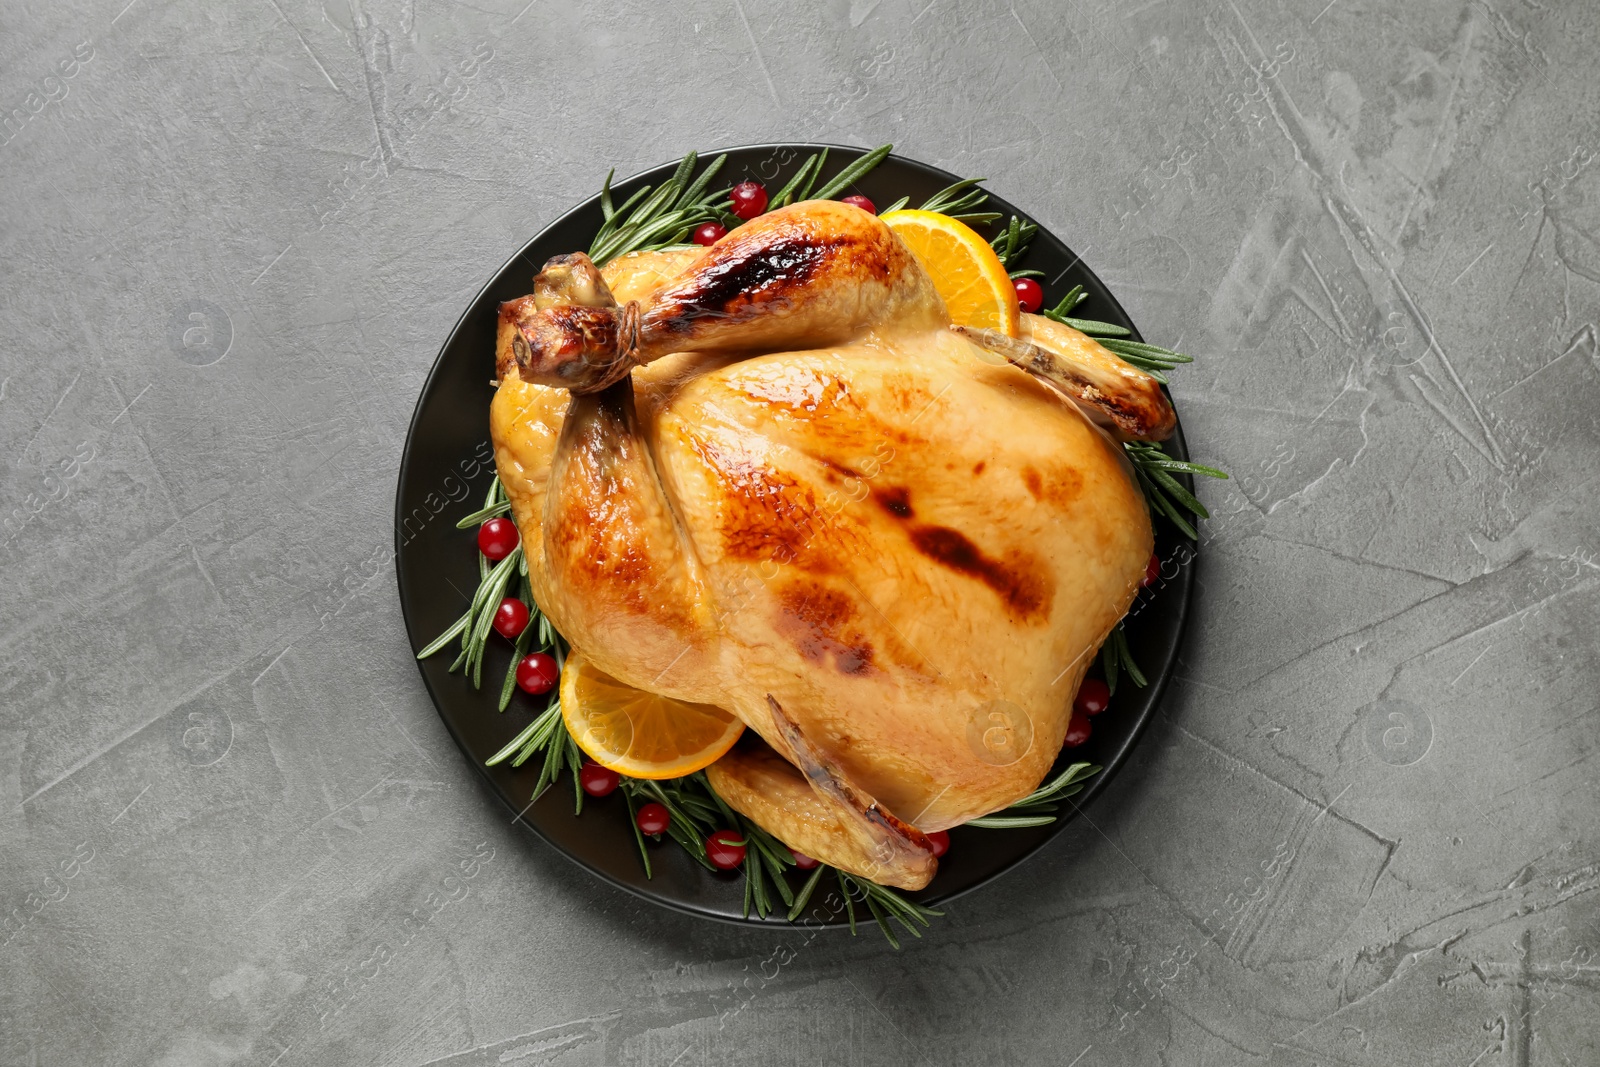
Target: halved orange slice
[(967, 272), (640, 734)]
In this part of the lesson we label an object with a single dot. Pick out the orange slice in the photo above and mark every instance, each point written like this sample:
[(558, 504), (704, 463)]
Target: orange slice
[(640, 734), (968, 274)]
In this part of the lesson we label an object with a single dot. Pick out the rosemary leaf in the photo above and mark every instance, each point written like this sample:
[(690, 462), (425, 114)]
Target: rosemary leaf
[(518, 650), (853, 173), (638, 835), (1120, 636), (1074, 297), (444, 639), (515, 743), (804, 190), (484, 514), (783, 197), (564, 746), (1010, 822), (1176, 491), (883, 924), (699, 777), (896, 206), (1139, 348), (1012, 244), (1095, 329), (802, 898), (755, 879), (679, 182), (1151, 370), (696, 192)]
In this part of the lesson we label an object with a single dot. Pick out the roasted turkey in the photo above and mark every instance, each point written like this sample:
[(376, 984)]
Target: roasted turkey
[(771, 476)]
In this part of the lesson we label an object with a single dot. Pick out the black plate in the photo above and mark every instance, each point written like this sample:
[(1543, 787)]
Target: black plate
[(444, 475)]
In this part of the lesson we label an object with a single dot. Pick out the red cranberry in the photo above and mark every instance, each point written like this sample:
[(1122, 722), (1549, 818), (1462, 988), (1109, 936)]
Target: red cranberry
[(511, 618), (653, 818), (709, 233), (1077, 732), (497, 537), (1152, 571), (1094, 696), (1030, 295), (725, 848), (749, 199), (537, 673), (805, 862), (861, 202), (598, 781), (940, 840)]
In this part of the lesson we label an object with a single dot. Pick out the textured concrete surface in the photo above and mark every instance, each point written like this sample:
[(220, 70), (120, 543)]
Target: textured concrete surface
[(1362, 831)]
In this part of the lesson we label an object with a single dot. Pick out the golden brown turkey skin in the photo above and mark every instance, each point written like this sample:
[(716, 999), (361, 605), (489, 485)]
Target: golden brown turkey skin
[(912, 548)]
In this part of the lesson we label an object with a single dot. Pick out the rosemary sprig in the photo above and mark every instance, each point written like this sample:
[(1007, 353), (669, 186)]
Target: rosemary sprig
[(488, 511), (1155, 470), (696, 810), (690, 817), (799, 187), (657, 219), (663, 217), (1116, 658), (638, 834), (765, 856), (883, 904), (493, 583), (962, 201), (853, 173), (1032, 809)]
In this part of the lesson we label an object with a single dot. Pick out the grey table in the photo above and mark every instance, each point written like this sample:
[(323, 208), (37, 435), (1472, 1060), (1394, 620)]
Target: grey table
[(1361, 831)]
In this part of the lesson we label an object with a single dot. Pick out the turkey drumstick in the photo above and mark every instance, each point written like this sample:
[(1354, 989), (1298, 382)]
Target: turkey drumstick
[(811, 274)]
